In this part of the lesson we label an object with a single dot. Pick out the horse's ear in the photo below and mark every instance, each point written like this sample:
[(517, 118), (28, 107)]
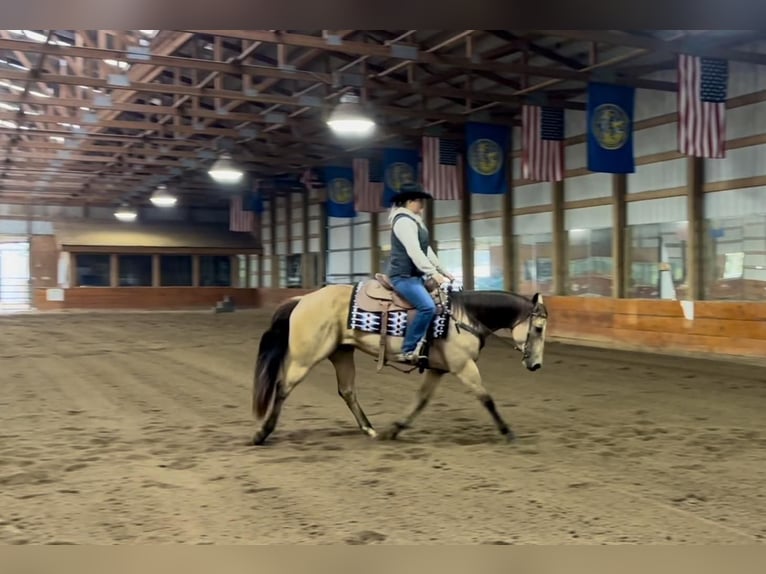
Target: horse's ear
[(537, 299)]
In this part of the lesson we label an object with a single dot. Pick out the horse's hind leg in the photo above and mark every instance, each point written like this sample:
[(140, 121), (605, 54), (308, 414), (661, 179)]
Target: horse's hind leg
[(425, 392), (345, 371), (294, 374), (471, 377)]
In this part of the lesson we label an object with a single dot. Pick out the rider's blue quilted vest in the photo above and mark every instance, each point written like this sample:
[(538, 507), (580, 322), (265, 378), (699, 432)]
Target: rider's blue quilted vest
[(400, 264)]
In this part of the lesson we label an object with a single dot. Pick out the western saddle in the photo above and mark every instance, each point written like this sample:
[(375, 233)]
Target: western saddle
[(377, 295)]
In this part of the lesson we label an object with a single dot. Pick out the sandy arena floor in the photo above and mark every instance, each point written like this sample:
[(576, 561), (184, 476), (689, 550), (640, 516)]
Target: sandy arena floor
[(133, 428)]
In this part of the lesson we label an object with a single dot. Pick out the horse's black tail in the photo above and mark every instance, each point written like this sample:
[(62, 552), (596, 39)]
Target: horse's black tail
[(272, 350)]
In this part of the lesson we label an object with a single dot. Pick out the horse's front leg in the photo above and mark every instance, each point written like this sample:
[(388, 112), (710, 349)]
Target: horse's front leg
[(425, 392), (471, 377)]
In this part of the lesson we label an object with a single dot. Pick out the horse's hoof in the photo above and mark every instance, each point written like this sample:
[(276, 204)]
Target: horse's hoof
[(509, 436), (258, 439), (371, 432), (389, 434)]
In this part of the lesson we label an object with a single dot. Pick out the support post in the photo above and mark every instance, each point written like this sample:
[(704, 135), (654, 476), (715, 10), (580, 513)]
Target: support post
[(619, 278)]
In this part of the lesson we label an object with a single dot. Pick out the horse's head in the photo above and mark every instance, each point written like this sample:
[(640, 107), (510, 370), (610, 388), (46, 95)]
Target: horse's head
[(529, 334)]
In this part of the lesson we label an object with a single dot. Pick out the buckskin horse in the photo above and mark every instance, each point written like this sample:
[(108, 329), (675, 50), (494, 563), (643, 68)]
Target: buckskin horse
[(335, 320)]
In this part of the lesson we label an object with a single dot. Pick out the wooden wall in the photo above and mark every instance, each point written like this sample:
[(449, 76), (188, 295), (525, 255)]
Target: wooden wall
[(145, 298), (719, 327)]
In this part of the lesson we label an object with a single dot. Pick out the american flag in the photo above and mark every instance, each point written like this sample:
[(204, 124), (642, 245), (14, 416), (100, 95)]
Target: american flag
[(442, 167), (239, 219), (702, 84), (368, 185), (542, 143)]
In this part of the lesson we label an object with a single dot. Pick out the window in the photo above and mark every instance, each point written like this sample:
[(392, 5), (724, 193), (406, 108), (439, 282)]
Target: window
[(135, 270), (735, 258), (534, 263), (590, 262), (176, 270), (656, 258), (93, 269), (488, 263), (255, 261), (451, 257), (215, 271)]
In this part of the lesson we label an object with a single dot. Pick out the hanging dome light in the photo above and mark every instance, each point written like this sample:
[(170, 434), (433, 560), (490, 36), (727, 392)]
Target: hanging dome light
[(349, 117), (126, 213), (161, 197), (224, 170)]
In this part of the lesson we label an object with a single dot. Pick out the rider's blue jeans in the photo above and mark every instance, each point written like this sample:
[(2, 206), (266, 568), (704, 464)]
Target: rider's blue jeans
[(414, 290)]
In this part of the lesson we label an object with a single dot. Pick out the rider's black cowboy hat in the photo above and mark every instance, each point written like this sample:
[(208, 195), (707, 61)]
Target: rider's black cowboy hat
[(408, 191)]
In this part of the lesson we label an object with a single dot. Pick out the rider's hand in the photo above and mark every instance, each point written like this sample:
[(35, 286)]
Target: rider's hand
[(440, 279)]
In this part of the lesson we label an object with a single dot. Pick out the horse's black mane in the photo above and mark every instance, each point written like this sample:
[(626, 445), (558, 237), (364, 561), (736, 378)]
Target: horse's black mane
[(491, 309)]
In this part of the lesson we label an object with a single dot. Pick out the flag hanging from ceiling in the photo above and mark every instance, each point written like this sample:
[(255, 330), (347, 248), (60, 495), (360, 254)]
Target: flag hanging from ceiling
[(340, 191), (610, 128), (400, 166), (368, 185), (488, 148), (542, 143), (702, 87), (240, 219), (442, 167), (253, 199)]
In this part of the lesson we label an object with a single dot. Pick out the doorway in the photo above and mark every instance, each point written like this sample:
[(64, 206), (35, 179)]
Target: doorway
[(14, 276)]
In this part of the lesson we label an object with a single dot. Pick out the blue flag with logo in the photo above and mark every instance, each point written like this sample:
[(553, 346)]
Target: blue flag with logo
[(339, 182), (399, 166), (253, 200), (487, 152), (610, 128)]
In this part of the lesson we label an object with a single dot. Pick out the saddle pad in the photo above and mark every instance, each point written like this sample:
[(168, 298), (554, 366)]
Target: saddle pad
[(360, 319)]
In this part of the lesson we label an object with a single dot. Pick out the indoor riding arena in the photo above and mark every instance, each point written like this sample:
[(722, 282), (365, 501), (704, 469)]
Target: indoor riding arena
[(164, 191)]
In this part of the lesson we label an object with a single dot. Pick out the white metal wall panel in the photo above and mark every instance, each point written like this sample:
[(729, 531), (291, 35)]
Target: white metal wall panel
[(296, 229), (339, 235), (482, 203), (650, 103), (446, 207), (745, 78), (575, 156), (361, 235), (574, 122), (516, 167), (362, 261), (661, 175), (656, 139), (736, 203), (533, 194), (297, 246), (281, 230), (384, 237), (339, 263), (515, 138), (590, 186), (314, 226), (314, 210), (742, 162), (13, 227), (597, 217), (490, 227), (314, 245), (533, 223), (361, 217), (447, 232), (265, 232), (746, 121), (662, 210), (42, 228)]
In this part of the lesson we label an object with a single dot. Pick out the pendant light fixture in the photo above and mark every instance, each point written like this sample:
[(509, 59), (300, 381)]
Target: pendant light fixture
[(224, 170), (349, 118), (162, 198), (126, 213)]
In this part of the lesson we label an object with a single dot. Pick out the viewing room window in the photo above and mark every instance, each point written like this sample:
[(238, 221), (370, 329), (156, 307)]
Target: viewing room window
[(93, 269), (175, 270)]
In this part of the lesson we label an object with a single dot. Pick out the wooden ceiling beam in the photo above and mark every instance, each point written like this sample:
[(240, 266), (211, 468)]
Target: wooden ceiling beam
[(389, 52), (689, 45)]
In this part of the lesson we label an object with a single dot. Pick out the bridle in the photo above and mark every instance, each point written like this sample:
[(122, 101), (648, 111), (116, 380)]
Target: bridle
[(482, 334)]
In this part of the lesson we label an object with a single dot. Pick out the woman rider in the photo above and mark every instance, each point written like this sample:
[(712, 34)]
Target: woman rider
[(412, 263)]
